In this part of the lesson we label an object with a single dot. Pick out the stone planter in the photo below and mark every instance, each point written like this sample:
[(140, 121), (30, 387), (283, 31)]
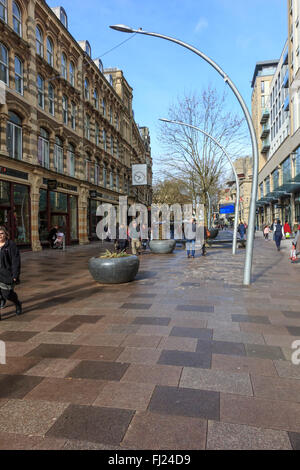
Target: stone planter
[(114, 270), (162, 246), (213, 233)]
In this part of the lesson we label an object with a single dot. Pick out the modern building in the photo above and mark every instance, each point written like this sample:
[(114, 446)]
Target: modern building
[(279, 178), (68, 137)]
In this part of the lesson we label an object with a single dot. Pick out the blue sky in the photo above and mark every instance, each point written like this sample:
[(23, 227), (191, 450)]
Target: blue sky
[(234, 33)]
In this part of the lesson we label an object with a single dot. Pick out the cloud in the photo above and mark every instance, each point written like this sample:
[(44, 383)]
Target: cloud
[(201, 25)]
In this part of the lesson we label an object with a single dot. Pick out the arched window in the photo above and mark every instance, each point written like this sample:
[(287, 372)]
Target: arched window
[(104, 176), (96, 173), (43, 148), (96, 99), (58, 155), (41, 91), (73, 115), (86, 89), (51, 99), (110, 115), (97, 134), (39, 41), (17, 19), (72, 74), (117, 182), (104, 140), (65, 109), (71, 160), (3, 64), (112, 145), (3, 10), (50, 51), (111, 180), (104, 107), (14, 136), (87, 127), (18, 75), (64, 66)]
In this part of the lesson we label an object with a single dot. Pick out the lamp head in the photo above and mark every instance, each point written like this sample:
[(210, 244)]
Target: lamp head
[(164, 120), (123, 28)]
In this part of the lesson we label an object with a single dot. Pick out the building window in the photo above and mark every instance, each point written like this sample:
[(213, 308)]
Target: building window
[(96, 173), (261, 187), (73, 115), (262, 86), (71, 160), (43, 148), (86, 89), (87, 127), (39, 42), (72, 74), (117, 123), (64, 66), (286, 171), (275, 176), (63, 18), (88, 169), (268, 185), (41, 92), (3, 10), (17, 19), (110, 115), (111, 180), (118, 150), (58, 155), (3, 64), (50, 52), (297, 162), (96, 99), (104, 107), (104, 140), (18, 75), (65, 109), (51, 99), (104, 177), (112, 145), (97, 134), (14, 136), (117, 182)]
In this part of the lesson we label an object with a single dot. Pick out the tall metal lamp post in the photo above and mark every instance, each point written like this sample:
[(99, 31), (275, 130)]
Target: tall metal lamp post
[(236, 217), (252, 211)]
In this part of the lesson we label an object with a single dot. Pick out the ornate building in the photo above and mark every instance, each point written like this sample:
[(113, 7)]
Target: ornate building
[(67, 132)]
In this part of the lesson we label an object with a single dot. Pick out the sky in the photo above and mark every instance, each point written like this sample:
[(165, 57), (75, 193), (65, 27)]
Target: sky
[(234, 33)]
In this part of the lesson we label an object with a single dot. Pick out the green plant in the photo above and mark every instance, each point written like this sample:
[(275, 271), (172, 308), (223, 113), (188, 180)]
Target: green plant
[(111, 254)]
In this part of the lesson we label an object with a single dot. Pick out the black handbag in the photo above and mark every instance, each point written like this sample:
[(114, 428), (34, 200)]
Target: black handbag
[(5, 276)]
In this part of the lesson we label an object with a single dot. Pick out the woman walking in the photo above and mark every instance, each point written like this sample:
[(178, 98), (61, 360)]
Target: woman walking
[(190, 239), (9, 270), (278, 234)]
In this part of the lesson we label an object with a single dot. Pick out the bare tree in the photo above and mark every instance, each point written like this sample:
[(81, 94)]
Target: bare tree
[(193, 157)]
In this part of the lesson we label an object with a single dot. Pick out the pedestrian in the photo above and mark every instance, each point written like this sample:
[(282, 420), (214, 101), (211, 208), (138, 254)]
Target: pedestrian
[(205, 238), (10, 265), (293, 256), (59, 241), (135, 237), (287, 230), (52, 235), (242, 230), (121, 241), (278, 234), (266, 232), (190, 239), (297, 241)]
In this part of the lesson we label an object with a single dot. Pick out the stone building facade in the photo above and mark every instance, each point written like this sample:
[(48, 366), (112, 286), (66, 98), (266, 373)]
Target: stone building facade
[(68, 136)]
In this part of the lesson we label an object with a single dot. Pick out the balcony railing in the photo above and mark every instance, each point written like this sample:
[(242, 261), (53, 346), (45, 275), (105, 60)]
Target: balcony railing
[(265, 116), (265, 131), (265, 146)]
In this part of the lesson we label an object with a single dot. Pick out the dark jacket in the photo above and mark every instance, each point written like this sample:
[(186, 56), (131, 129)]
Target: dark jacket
[(10, 259)]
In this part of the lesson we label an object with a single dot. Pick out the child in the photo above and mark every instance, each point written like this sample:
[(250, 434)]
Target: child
[(266, 232), (293, 256), (59, 240)]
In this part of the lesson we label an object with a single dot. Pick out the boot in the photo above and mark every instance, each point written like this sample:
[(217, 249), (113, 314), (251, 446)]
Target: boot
[(2, 303), (19, 310), (188, 254), (193, 253)]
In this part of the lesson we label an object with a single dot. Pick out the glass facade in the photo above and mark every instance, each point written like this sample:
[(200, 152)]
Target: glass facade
[(15, 211), (286, 171)]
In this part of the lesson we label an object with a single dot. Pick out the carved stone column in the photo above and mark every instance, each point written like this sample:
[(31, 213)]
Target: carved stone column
[(36, 180), (82, 214)]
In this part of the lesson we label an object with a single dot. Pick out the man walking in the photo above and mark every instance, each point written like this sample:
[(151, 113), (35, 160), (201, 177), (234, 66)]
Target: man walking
[(278, 234), (9, 270)]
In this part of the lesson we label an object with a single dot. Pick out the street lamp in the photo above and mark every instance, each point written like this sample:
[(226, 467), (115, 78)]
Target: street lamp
[(234, 243), (252, 211)]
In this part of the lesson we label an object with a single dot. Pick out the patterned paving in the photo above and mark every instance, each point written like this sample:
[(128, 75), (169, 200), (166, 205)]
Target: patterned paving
[(182, 358)]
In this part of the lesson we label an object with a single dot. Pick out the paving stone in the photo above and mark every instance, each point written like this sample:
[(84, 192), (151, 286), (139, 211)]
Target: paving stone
[(82, 445), (51, 367), (151, 431), (295, 440), (98, 353), (286, 369), (200, 333), (291, 314), (285, 341), (139, 355), (17, 386), (99, 339), (21, 336), (238, 336), (216, 380), (185, 402), (123, 395), (156, 374), (162, 321), (63, 351), (140, 341), (129, 306), (248, 365), (224, 436), (185, 359), (250, 319), (264, 352), (92, 424), (18, 365), (32, 418), (260, 413), (99, 370), (196, 308), (294, 330), (221, 347), (274, 388), (17, 442)]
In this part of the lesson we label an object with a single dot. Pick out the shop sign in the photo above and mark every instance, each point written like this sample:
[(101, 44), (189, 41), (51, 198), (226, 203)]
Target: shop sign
[(11, 172)]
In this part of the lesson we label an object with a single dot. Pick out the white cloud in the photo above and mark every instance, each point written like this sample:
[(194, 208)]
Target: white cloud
[(201, 25)]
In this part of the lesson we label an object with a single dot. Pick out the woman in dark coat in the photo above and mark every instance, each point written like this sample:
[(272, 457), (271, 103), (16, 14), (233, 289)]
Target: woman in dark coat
[(10, 265)]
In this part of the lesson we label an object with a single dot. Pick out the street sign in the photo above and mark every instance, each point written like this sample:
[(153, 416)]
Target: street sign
[(139, 175)]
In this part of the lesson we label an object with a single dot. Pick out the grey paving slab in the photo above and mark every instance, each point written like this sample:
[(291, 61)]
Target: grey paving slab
[(186, 359), (264, 351)]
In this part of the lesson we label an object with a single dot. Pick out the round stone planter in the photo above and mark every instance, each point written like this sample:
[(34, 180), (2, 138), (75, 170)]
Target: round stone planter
[(114, 270), (162, 246), (213, 233)]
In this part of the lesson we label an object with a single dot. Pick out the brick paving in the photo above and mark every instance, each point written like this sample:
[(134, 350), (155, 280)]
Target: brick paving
[(182, 358)]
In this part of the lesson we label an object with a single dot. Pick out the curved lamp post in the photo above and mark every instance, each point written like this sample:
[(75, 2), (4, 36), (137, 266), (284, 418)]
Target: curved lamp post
[(209, 209), (252, 211), (236, 217)]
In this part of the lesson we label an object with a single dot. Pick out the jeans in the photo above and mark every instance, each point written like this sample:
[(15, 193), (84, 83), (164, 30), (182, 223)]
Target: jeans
[(190, 247), (278, 239)]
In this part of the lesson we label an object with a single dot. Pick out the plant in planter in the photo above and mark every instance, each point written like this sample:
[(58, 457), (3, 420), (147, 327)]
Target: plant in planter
[(161, 245), (114, 268)]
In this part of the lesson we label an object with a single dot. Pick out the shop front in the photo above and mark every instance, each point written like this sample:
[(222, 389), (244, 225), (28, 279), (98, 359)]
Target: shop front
[(15, 211), (61, 209)]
